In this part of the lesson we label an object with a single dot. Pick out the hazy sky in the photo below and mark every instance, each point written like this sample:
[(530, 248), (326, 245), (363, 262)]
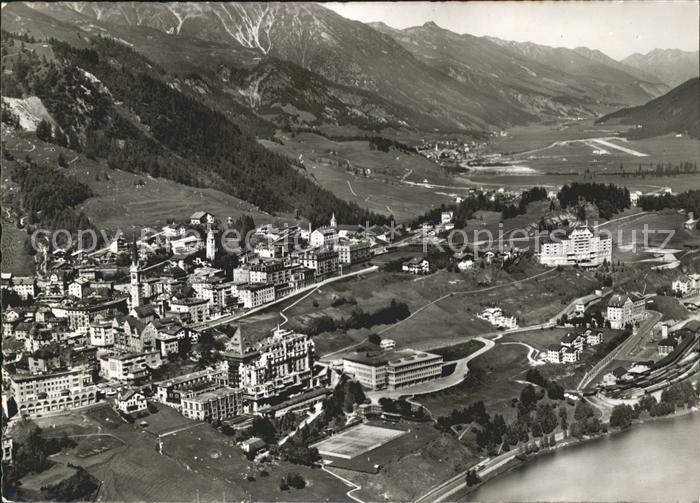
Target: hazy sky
[(616, 28)]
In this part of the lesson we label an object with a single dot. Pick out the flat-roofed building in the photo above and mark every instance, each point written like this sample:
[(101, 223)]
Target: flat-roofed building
[(196, 310), (218, 404), (41, 393), (368, 371), (171, 391), (254, 295), (394, 369), (129, 366)]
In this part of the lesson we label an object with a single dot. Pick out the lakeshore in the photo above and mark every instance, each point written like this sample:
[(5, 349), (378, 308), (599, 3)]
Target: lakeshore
[(612, 467)]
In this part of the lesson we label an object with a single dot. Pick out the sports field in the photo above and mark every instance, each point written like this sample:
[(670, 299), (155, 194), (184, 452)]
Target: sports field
[(357, 440)]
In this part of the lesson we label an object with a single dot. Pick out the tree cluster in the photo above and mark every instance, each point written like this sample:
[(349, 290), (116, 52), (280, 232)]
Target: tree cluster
[(688, 201), (609, 199), (359, 318)]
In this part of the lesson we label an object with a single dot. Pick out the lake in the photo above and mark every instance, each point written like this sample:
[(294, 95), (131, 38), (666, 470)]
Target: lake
[(658, 461)]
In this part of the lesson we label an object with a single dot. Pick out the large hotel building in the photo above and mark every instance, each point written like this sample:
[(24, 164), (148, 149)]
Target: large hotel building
[(393, 370), (581, 247)]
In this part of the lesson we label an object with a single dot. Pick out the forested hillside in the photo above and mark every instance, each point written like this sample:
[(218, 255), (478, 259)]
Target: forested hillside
[(678, 111), (108, 101)]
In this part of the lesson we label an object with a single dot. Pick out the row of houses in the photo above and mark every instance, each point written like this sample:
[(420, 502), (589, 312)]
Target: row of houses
[(495, 316), (572, 345)]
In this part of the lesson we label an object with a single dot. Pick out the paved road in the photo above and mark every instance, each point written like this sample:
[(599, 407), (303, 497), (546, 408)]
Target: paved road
[(623, 350), (233, 317), (458, 483), (460, 373)]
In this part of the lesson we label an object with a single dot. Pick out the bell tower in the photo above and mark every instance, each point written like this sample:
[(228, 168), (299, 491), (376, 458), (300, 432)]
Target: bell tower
[(211, 244), (135, 274)]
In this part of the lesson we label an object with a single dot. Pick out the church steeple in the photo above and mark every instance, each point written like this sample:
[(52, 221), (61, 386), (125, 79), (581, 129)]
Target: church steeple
[(135, 274), (334, 222), (211, 244)]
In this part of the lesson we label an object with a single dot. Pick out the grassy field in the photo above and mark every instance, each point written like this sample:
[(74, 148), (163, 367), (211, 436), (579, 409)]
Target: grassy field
[(571, 160), (54, 475), (411, 464), (669, 307), (538, 339), (453, 318), (452, 353), (376, 185), (493, 377), (14, 259), (127, 199), (198, 463)]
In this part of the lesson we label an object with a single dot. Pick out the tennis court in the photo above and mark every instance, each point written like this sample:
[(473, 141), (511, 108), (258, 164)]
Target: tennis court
[(357, 440)]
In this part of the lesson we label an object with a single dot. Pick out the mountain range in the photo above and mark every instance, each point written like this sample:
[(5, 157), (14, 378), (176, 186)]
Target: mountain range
[(678, 112), (672, 66), (301, 63)]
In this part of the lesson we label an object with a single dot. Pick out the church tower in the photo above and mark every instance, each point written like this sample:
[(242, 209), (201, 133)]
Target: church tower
[(334, 222), (211, 244), (135, 277)]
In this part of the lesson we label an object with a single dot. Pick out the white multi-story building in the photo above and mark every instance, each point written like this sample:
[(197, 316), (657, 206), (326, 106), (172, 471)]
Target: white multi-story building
[(554, 353), (581, 247), (285, 362), (416, 265), (129, 366), (570, 355), (102, 332), (393, 370), (215, 405), (41, 393), (624, 309), (25, 287), (593, 338), (684, 285), (446, 217), (322, 261), (173, 390), (196, 309), (323, 237), (495, 316), (353, 252), (255, 295)]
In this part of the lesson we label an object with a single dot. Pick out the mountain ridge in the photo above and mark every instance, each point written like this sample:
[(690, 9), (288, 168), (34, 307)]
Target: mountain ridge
[(677, 111), (673, 66), (354, 54)]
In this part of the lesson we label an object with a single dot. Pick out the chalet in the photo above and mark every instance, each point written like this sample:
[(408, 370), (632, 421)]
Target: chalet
[(684, 285), (573, 340), (201, 218), (252, 445), (387, 344), (593, 338), (131, 402), (666, 346), (611, 378)]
